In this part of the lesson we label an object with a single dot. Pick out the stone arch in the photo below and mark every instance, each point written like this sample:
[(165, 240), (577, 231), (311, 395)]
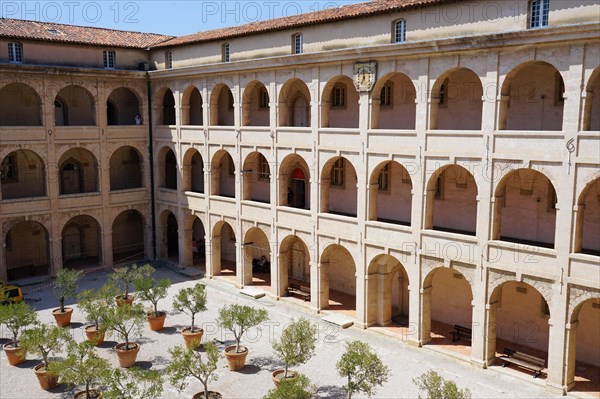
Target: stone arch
[(78, 107), (224, 250), (167, 167), (128, 237), (257, 270), (451, 201), (222, 174), (393, 103), (81, 242), (532, 98), (255, 105), (195, 239), (340, 103), (294, 182), (169, 243), (78, 172), (339, 192), (22, 175), (294, 104), (256, 175), (591, 118), (21, 105), (587, 228), (192, 112), (126, 106), (126, 169), (193, 171), (390, 194), (457, 101), (525, 208), (26, 250), (337, 280), (387, 292), (222, 104), (294, 264)]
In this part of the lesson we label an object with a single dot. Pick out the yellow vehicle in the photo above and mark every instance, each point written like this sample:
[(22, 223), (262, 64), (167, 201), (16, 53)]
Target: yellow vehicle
[(10, 293)]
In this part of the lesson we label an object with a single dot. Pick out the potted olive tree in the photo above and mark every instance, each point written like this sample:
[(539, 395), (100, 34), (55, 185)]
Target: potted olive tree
[(127, 322), (133, 383), (295, 347), (362, 368), (125, 277), (298, 387), (16, 317), (187, 362), (82, 367), (44, 340), (238, 319), (191, 301), (94, 304), (437, 387), (151, 290), (65, 287)]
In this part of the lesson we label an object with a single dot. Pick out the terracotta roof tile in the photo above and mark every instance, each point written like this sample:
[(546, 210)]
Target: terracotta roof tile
[(47, 31), (317, 17)]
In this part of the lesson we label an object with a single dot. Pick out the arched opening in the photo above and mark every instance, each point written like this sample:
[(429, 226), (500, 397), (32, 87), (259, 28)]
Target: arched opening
[(339, 105), (221, 106), (294, 104), (122, 107), (294, 266), (294, 182), (198, 243), (21, 106), (518, 319), (390, 194), (168, 108), (583, 347), (339, 193), (170, 241), (125, 169), (255, 105), (591, 114), (394, 105), (191, 107), (257, 178), (338, 281), (78, 172), (447, 302), (257, 258), (75, 106), (525, 209), (387, 293), (456, 101), (223, 175), (452, 201), (22, 175), (26, 249), (224, 251), (532, 98), (128, 237), (168, 169), (81, 243), (193, 172), (587, 237)]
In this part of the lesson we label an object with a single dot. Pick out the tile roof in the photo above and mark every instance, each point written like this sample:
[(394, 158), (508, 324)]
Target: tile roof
[(312, 18), (48, 31)]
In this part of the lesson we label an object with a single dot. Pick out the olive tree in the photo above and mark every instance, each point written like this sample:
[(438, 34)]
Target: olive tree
[(293, 388), (44, 340), (16, 317), (65, 285), (362, 368), (239, 318), (191, 301), (297, 343), (188, 362), (436, 387), (133, 383)]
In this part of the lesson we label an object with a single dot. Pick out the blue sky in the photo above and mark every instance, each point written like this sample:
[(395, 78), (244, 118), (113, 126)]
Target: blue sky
[(166, 17)]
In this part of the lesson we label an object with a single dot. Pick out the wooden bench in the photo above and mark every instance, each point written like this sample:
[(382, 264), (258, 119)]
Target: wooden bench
[(299, 290), (523, 360), (461, 332)]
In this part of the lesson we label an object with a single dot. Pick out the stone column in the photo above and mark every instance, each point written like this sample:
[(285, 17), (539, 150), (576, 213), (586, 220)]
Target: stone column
[(425, 330), (570, 354), (245, 263), (384, 299), (185, 247), (490, 333), (315, 285), (209, 254), (323, 286)]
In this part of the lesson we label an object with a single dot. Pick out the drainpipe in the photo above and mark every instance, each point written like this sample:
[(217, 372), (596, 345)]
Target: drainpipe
[(151, 163)]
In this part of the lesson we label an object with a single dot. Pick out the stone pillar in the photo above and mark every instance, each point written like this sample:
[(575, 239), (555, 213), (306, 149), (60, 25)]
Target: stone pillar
[(361, 293), (209, 255), (185, 114), (246, 265), (323, 285), (185, 247), (570, 354), (315, 285), (384, 299), (425, 333), (413, 317), (490, 333)]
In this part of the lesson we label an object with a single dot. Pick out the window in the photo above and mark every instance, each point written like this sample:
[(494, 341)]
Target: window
[(384, 178), (444, 93), (15, 52), (386, 95), (264, 172), (169, 59), (337, 173), (225, 53), (8, 169), (264, 99), (400, 31), (538, 13), (298, 44), (338, 96), (109, 59)]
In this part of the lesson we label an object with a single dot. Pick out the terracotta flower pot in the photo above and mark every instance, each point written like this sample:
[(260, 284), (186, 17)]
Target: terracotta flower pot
[(14, 355), (211, 395), (277, 376), (63, 319), (236, 361), (156, 322), (47, 381), (127, 357), (121, 301), (94, 335), (93, 394), (192, 339)]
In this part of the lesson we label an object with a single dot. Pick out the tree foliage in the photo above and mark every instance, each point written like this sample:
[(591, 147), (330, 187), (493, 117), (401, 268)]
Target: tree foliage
[(95, 303), (298, 387), (133, 383), (363, 369), (126, 321), (151, 290), (65, 285), (126, 276), (191, 301), (16, 317), (297, 343), (239, 318), (45, 339), (188, 362), (436, 387)]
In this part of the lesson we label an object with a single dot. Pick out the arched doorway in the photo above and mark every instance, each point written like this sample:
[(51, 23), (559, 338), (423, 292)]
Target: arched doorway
[(224, 251), (257, 258), (193, 172), (168, 169), (26, 251), (125, 169), (81, 243), (294, 265), (78, 172), (257, 178), (198, 243), (294, 182), (223, 175), (338, 281), (168, 108), (128, 237), (591, 115)]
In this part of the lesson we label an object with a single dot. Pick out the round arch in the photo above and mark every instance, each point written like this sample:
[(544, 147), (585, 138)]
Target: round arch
[(294, 104), (128, 236), (256, 178), (457, 101), (294, 265), (22, 175), (224, 250), (74, 106), (21, 105), (387, 292), (222, 106), (222, 174), (81, 240), (167, 168), (257, 258), (78, 172), (339, 103), (26, 250), (394, 102), (339, 192), (255, 105), (192, 107), (125, 105), (193, 171), (126, 169), (587, 236), (390, 196), (294, 182), (337, 280)]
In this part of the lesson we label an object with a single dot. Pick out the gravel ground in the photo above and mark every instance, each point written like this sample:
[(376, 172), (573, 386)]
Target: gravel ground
[(254, 380)]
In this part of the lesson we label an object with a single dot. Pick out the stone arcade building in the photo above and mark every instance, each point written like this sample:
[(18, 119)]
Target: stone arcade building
[(413, 164)]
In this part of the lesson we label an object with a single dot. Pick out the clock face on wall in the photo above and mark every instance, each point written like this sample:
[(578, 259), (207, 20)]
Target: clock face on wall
[(365, 75)]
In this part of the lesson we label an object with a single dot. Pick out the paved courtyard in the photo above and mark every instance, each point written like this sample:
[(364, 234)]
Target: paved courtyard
[(254, 380)]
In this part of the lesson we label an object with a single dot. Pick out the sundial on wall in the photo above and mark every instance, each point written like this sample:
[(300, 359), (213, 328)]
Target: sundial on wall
[(365, 75)]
